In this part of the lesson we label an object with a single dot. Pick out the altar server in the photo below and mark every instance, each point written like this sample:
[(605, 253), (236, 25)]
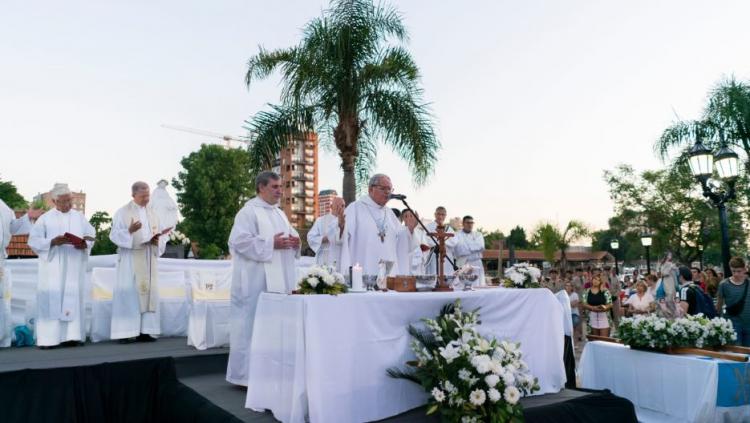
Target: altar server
[(263, 246), (9, 226), (410, 245), (325, 235), (62, 270), (469, 247), (371, 230), (138, 234), (431, 256)]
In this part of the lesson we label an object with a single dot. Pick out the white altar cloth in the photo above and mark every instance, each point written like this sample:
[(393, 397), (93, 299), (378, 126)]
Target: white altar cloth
[(669, 388), (326, 356)]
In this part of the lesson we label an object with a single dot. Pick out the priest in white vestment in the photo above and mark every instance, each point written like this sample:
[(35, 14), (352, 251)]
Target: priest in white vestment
[(138, 234), (9, 226), (325, 235), (371, 230), (264, 247), (62, 271), (431, 256), (411, 245), (469, 247)]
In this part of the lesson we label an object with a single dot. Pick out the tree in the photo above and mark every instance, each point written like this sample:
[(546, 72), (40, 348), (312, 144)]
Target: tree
[(9, 194), (546, 237), (550, 239), (517, 237), (491, 238), (102, 223), (345, 81), (212, 187)]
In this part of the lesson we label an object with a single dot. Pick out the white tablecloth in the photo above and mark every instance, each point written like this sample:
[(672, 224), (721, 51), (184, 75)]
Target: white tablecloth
[(669, 388), (327, 356)]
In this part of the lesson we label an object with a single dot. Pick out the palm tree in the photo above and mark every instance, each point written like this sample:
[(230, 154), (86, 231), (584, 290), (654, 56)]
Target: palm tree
[(572, 233), (347, 81), (550, 239)]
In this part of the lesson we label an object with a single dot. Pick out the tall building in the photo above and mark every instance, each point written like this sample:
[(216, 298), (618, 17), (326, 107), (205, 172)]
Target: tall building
[(79, 199), (325, 198), (298, 166)]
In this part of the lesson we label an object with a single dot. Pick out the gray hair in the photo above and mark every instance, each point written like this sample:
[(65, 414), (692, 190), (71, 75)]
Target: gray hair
[(138, 186), (58, 190), (264, 178), (375, 179)]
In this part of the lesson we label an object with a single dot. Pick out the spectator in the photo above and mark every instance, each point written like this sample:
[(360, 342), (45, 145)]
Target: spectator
[(575, 310), (598, 301), (698, 278), (641, 302), (733, 293), (692, 299), (712, 282)]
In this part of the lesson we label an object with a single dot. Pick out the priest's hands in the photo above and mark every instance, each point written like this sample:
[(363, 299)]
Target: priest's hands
[(281, 242), (59, 240), (134, 226), (81, 246)]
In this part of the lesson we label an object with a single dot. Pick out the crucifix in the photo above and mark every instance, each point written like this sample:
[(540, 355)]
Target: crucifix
[(441, 235)]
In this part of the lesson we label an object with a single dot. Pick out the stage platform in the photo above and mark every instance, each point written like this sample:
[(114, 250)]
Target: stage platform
[(203, 372)]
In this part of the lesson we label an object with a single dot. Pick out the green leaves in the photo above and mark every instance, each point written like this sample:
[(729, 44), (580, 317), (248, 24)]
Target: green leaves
[(9, 194)]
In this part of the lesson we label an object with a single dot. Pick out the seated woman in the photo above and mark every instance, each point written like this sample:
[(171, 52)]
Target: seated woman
[(598, 301), (642, 302)]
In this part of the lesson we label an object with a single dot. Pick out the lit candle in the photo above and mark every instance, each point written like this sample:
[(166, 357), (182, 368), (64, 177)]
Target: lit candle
[(357, 284)]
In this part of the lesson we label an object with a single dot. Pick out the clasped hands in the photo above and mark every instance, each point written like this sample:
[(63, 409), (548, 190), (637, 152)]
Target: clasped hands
[(281, 242), (62, 240)]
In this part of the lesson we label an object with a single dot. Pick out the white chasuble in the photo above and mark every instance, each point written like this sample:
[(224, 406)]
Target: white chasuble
[(256, 267), (135, 297), (370, 236), (62, 272), (327, 253), (431, 258), (468, 250), (9, 226)]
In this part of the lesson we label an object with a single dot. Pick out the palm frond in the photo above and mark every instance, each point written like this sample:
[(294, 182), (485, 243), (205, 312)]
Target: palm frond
[(408, 374), (423, 336), (272, 130), (262, 64), (447, 309), (393, 68)]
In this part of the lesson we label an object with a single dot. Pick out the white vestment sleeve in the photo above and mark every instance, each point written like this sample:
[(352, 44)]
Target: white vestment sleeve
[(315, 236), (350, 223), (476, 245), (88, 230), (38, 240), (245, 240), (119, 233), (462, 245), (20, 226)]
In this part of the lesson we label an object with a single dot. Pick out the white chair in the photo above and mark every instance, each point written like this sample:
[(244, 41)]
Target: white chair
[(102, 284), (173, 303), (208, 324), (6, 320)]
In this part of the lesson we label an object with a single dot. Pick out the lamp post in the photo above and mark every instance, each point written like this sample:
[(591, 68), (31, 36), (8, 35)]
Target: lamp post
[(726, 162), (615, 244), (646, 240)]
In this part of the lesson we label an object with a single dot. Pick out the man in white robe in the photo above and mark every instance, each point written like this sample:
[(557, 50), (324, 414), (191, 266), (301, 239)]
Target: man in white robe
[(411, 245), (469, 247), (431, 256), (62, 270), (135, 298), (263, 246), (371, 230), (325, 235), (10, 226)]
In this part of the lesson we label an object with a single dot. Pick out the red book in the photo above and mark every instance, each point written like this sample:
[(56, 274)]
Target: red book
[(75, 240)]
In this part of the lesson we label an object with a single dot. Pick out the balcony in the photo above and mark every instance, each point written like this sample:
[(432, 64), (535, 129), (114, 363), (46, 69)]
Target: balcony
[(309, 152), (298, 174), (309, 193), (310, 162), (309, 169), (310, 185), (310, 210)]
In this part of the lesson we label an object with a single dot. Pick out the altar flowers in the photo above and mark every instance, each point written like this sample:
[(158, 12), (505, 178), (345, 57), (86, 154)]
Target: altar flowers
[(322, 280), (522, 275), (650, 331), (469, 378)]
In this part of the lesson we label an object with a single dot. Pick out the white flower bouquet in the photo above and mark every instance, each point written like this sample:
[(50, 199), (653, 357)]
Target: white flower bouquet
[(469, 378), (178, 238), (650, 331), (522, 275), (322, 280)]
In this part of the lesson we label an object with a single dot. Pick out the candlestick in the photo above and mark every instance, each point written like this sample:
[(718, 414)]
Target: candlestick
[(357, 284)]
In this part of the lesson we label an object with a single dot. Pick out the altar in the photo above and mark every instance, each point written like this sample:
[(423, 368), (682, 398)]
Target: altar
[(325, 357)]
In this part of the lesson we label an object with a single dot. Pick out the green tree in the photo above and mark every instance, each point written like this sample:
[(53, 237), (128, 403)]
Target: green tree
[(102, 223), (546, 237), (491, 238), (550, 239), (9, 194), (517, 237), (349, 83), (212, 187)]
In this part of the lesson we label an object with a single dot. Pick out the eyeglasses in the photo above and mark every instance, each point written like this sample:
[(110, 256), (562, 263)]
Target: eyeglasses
[(384, 188)]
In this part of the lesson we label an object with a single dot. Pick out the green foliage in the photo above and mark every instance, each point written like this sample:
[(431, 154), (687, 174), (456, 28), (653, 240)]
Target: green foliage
[(102, 223), (517, 237), (212, 187), (491, 238), (350, 81), (9, 194), (547, 237)]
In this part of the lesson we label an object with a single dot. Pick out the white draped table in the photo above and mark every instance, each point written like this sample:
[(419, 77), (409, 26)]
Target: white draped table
[(669, 388), (325, 357)]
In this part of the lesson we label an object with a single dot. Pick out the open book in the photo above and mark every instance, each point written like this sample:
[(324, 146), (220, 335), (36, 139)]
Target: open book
[(76, 240)]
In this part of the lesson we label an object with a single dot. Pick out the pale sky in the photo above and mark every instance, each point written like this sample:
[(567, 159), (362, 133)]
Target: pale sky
[(533, 99)]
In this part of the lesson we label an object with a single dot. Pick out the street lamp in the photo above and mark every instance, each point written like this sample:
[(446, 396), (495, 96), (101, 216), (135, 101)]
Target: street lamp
[(615, 244), (646, 240), (702, 162)]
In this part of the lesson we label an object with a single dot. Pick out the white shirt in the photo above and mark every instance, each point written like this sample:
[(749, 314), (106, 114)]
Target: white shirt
[(640, 304)]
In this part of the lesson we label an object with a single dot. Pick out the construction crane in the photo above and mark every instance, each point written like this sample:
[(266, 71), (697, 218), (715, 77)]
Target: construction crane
[(227, 138)]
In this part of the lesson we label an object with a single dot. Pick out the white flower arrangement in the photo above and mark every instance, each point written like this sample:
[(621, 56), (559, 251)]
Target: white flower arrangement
[(322, 280), (651, 331), (469, 378), (178, 238), (522, 275)]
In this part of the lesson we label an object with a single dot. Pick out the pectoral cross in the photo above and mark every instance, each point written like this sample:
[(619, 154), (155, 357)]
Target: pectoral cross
[(381, 234), (441, 235)]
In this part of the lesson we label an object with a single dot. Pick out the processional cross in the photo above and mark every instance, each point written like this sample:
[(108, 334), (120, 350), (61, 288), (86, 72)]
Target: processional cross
[(441, 235)]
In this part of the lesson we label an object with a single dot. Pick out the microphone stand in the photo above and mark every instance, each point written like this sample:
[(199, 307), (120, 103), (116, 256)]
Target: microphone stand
[(403, 200)]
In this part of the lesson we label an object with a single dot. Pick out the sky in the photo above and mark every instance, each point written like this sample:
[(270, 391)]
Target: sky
[(532, 100)]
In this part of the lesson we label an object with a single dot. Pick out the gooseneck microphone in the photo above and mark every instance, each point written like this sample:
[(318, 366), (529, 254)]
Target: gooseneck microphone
[(396, 197)]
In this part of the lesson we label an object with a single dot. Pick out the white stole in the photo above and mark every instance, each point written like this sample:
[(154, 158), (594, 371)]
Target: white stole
[(274, 269), (145, 259), (65, 306)]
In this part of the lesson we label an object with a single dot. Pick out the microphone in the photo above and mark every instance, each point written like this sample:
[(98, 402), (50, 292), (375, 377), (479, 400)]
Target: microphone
[(396, 197)]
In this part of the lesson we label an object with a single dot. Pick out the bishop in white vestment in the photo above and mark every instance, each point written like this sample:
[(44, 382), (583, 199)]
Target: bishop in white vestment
[(469, 247), (325, 236), (371, 230), (135, 298), (431, 257), (62, 270), (263, 246), (410, 244), (9, 226)]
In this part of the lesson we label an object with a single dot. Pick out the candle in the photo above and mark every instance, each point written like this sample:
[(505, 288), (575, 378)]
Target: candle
[(357, 284)]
